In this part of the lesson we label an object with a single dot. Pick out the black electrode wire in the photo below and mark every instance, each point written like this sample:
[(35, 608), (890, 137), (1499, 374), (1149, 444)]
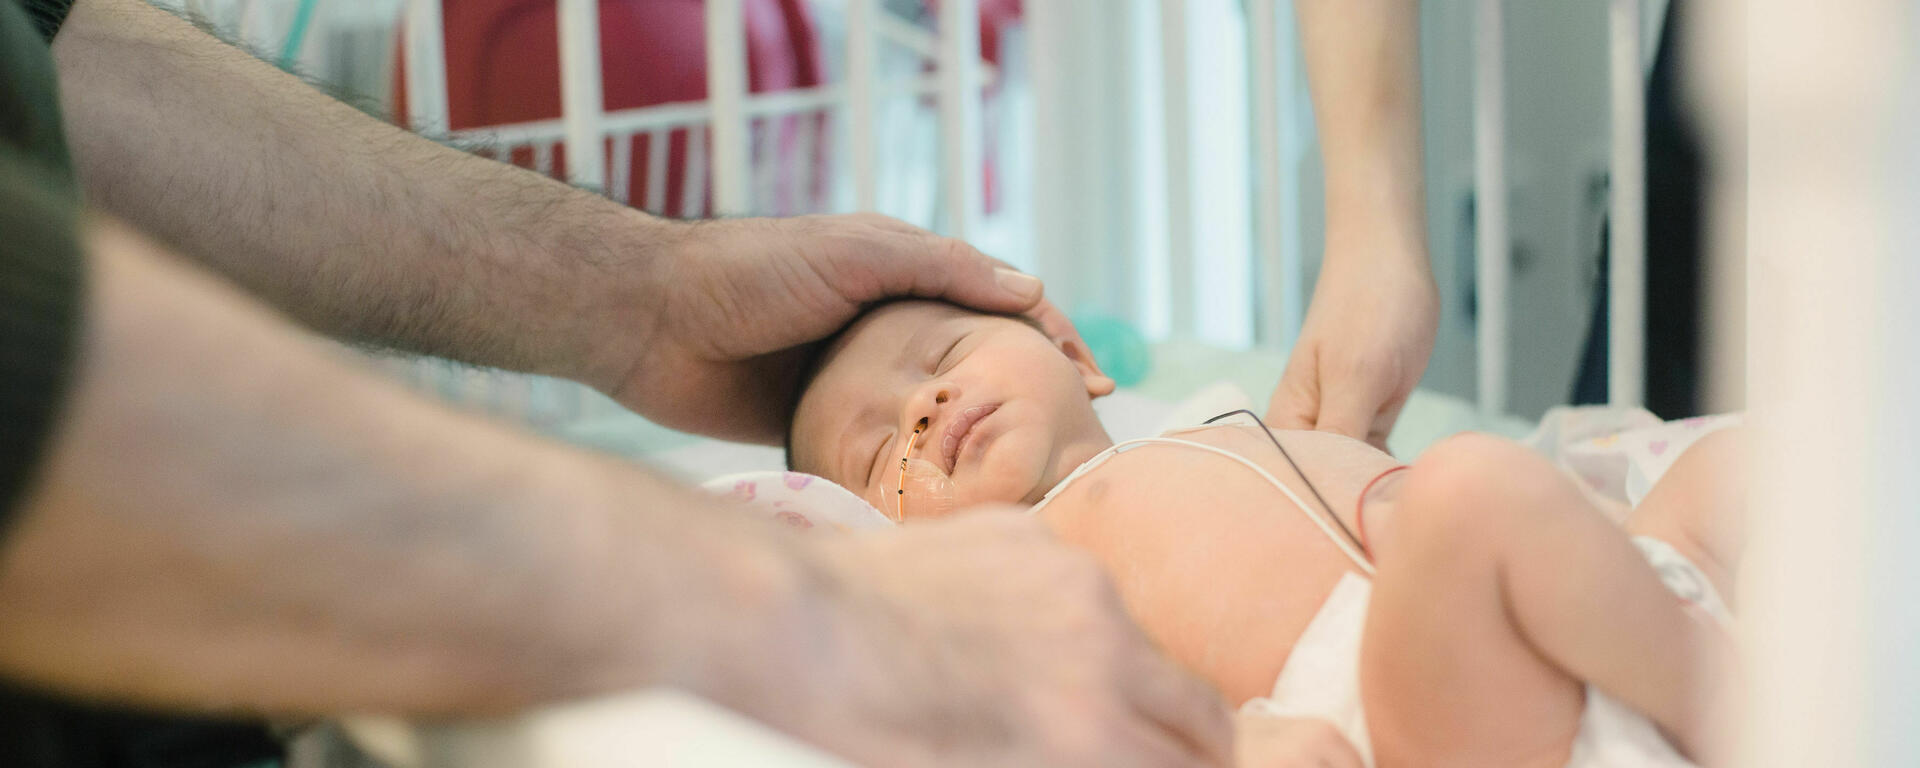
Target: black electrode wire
[(1296, 470)]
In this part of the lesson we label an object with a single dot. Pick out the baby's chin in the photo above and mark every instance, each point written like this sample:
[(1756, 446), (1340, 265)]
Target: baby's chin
[(1021, 473)]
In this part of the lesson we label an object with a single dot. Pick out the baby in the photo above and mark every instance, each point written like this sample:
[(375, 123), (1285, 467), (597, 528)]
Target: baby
[(1484, 592)]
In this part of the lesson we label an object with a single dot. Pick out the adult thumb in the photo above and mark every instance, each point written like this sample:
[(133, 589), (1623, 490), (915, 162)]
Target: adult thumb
[(1348, 411), (1296, 401)]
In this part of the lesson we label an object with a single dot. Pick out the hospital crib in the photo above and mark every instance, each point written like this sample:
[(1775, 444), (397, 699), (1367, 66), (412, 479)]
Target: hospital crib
[(739, 153), (1836, 331)]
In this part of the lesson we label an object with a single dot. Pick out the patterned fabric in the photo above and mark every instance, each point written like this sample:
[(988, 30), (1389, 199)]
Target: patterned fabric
[(798, 499), (1617, 453)]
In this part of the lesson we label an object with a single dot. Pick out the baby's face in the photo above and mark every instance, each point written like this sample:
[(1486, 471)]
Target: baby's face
[(1009, 413)]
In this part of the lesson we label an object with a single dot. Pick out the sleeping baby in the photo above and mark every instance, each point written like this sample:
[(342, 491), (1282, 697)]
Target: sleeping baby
[(1476, 608)]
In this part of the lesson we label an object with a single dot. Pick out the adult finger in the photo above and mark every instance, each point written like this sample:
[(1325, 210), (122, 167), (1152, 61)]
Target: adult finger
[(1349, 410), (926, 265), (1354, 406), (1186, 709), (1055, 323), (1383, 422), (1295, 403)]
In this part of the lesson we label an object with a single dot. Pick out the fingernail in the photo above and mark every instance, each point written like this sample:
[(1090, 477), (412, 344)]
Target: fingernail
[(1021, 284)]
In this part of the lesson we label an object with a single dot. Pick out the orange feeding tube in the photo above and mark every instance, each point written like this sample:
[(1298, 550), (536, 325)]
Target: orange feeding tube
[(932, 490)]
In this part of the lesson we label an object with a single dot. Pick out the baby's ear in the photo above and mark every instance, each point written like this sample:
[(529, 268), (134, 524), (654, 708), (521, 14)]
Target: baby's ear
[(1098, 385)]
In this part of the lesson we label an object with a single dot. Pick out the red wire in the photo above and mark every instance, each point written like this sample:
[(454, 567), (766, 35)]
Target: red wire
[(1360, 508)]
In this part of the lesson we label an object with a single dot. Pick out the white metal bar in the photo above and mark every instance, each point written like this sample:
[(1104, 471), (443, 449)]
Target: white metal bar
[(659, 154), (426, 74), (764, 133), (960, 126), (1490, 204), (580, 95), (1263, 49), (801, 183), (543, 158), (1626, 254), (1295, 137), (690, 113), (620, 168), (863, 75), (1177, 106), (726, 91), (693, 198)]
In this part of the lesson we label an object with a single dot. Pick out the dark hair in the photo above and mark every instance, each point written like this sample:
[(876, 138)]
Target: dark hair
[(816, 359), (810, 366)]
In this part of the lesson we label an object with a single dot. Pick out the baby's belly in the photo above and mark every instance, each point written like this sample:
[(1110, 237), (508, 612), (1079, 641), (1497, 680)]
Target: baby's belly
[(1220, 568)]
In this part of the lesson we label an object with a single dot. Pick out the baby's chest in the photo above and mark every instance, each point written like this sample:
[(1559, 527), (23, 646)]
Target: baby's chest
[(1219, 567)]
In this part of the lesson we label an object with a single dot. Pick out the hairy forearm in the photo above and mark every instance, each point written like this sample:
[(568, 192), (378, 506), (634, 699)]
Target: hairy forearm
[(1363, 66), (232, 518), (352, 225)]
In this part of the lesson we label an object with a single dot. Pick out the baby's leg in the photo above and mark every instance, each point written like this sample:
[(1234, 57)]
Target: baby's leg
[(1501, 589), (1700, 507)]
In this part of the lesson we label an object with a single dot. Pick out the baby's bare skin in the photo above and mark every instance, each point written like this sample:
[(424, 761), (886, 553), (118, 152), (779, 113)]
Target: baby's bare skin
[(1220, 568)]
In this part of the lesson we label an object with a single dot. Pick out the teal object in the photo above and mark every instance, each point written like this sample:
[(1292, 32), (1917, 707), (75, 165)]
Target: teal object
[(297, 34), (1118, 347)]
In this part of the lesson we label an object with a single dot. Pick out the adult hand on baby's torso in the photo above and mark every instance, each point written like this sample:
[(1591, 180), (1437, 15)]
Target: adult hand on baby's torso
[(1220, 568), (984, 641), (1265, 741)]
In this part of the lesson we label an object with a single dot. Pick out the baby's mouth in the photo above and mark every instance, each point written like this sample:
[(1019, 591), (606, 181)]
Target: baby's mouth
[(959, 431)]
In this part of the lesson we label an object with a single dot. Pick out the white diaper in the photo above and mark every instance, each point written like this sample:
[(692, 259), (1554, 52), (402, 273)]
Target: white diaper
[(1322, 677)]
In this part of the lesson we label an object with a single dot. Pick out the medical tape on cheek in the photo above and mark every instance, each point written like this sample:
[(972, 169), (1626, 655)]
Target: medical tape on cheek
[(930, 489), (929, 492)]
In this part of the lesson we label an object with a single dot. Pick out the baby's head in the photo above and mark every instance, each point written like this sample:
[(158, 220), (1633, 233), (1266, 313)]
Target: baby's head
[(1009, 412)]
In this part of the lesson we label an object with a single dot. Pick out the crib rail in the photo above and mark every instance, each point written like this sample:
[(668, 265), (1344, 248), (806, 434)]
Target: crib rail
[(729, 142)]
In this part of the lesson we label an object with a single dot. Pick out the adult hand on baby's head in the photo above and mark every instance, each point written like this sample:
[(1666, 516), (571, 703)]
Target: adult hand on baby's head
[(732, 304), (1363, 347), (980, 640)]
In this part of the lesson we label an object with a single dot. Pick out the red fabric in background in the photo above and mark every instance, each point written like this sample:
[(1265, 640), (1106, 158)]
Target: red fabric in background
[(503, 66)]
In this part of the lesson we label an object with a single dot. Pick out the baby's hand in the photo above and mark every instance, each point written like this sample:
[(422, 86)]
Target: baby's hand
[(1265, 741)]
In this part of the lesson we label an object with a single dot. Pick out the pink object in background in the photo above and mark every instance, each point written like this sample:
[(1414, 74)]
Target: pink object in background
[(503, 67)]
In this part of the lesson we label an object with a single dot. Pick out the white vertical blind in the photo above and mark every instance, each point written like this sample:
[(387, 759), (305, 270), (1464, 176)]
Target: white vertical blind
[(1176, 95), (1626, 253), (1279, 279), (863, 74), (426, 74), (581, 105), (961, 136), (726, 92), (1491, 233)]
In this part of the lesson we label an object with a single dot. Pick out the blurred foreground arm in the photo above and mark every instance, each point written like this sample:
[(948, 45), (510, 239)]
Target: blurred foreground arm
[(368, 232), (230, 519), (1370, 327)]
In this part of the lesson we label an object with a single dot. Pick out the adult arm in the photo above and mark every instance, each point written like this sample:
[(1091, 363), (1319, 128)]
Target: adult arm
[(229, 516), (231, 519), (1370, 327), (365, 231)]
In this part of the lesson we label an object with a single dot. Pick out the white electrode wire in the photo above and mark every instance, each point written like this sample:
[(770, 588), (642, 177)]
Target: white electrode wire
[(1346, 548)]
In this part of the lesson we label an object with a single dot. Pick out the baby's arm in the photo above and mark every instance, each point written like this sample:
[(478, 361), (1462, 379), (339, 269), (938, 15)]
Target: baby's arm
[(1501, 589)]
